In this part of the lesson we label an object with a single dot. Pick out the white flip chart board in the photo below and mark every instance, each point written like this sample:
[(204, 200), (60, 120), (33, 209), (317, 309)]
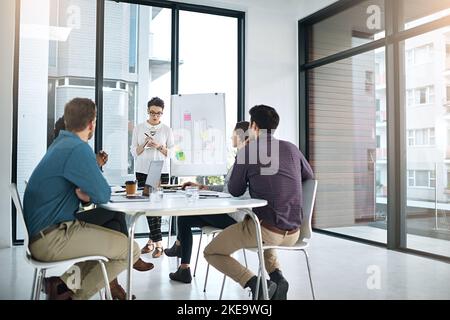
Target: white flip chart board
[(198, 124)]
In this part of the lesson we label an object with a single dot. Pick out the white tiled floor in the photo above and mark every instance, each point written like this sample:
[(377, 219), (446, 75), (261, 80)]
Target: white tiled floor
[(340, 270)]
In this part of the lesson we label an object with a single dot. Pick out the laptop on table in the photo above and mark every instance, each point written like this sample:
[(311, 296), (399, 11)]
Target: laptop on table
[(153, 178)]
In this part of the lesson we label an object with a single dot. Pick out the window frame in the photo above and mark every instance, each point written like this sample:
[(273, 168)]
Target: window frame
[(414, 95), (412, 175), (428, 137), (414, 53)]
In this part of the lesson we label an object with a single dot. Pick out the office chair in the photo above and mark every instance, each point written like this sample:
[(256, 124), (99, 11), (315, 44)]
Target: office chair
[(40, 267), (309, 197)]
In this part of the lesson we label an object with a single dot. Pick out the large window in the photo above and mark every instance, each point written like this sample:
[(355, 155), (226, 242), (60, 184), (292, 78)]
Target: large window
[(357, 25), (56, 64), (137, 55), (348, 145), (135, 77), (208, 56), (427, 198), (419, 12), (147, 51), (355, 94)]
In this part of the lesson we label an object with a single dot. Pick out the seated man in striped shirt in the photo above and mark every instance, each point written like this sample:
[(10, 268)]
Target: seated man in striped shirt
[(273, 170)]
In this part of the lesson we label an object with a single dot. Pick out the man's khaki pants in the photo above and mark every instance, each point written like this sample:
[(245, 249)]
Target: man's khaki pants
[(243, 235), (75, 239)]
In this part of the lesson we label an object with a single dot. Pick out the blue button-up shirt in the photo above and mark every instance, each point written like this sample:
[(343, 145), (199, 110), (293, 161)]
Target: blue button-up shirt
[(50, 195)]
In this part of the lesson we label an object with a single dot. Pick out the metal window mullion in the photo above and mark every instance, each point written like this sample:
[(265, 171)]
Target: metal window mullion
[(241, 70), (174, 61), (15, 120), (303, 90), (99, 51), (396, 133)]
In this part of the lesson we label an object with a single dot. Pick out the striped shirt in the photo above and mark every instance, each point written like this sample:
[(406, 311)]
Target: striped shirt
[(273, 170)]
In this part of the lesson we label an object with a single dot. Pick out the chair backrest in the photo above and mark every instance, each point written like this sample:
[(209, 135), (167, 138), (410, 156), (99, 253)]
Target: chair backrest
[(19, 210), (309, 197)]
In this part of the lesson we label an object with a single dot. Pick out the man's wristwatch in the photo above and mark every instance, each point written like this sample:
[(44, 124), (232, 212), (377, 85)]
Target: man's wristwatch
[(160, 148), (86, 204)]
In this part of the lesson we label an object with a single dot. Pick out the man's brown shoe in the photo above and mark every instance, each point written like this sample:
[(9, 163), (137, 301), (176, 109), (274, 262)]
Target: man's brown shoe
[(56, 289), (141, 265), (117, 292)]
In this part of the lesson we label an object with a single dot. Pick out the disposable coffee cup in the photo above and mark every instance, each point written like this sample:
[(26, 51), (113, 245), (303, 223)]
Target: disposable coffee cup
[(131, 187)]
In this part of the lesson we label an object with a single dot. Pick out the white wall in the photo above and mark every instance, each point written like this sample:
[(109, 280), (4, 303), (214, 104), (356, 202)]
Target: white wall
[(7, 9), (271, 57), (271, 65), (307, 7)]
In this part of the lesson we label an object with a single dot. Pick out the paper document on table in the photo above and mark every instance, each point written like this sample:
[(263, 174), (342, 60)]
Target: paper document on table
[(122, 198), (117, 189), (213, 194)]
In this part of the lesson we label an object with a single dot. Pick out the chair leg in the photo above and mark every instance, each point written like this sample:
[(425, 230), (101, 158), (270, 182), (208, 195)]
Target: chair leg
[(198, 252), (309, 274), (207, 270), (223, 286), (258, 282), (176, 225), (169, 232), (105, 279), (206, 278), (35, 284), (245, 257), (39, 284)]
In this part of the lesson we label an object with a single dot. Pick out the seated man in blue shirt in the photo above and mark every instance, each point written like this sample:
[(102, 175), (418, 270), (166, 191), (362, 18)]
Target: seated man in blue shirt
[(66, 175), (273, 170)]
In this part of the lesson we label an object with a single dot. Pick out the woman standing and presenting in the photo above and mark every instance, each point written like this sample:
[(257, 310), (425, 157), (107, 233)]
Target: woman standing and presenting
[(151, 141)]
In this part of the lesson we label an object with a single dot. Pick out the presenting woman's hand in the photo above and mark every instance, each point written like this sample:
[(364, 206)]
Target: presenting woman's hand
[(152, 143)]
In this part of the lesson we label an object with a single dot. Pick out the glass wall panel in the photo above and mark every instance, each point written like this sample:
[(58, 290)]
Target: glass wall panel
[(418, 12), (56, 64), (137, 67), (360, 24), (347, 123), (209, 63), (425, 81)]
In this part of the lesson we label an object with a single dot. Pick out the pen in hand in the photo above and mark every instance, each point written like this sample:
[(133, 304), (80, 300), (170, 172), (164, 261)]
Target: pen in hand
[(147, 137)]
